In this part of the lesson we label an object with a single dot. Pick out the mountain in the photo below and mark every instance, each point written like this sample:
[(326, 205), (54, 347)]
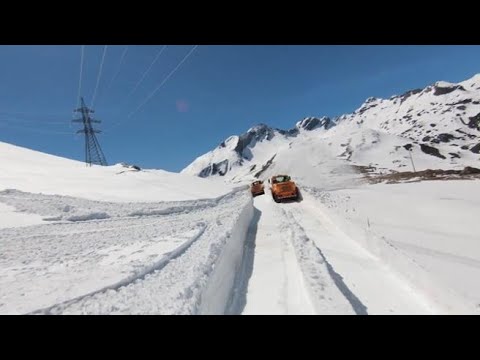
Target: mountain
[(439, 124), (235, 151)]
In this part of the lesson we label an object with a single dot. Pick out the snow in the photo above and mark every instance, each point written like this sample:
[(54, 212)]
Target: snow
[(10, 218), (66, 208), (390, 249), (61, 267), (69, 233), (276, 285), (426, 232), (182, 285), (35, 172), (110, 240), (302, 264), (444, 84), (216, 297), (365, 280)]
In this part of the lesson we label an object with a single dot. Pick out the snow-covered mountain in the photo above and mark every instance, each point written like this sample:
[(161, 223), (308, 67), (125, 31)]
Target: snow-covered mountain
[(251, 147), (440, 124)]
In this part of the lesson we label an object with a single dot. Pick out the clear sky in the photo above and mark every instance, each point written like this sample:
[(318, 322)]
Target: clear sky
[(216, 92)]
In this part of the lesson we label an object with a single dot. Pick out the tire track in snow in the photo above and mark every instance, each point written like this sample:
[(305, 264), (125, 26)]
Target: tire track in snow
[(364, 275), (439, 254), (76, 262), (313, 264), (268, 290), (295, 279), (57, 308), (356, 304), (193, 282), (289, 274)]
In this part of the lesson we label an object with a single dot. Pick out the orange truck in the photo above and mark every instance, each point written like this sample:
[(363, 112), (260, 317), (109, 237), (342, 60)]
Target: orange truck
[(283, 188), (257, 188)]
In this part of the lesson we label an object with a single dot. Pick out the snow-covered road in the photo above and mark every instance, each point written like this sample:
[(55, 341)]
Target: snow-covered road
[(225, 255), (369, 285), (301, 259), (276, 285)]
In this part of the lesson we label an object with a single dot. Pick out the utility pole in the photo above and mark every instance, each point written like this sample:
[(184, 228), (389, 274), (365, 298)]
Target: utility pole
[(411, 158), (93, 151)]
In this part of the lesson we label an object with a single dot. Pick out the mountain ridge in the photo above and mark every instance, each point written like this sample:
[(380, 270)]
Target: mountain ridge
[(441, 120)]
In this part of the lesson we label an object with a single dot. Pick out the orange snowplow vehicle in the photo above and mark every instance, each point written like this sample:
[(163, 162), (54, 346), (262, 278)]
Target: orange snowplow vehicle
[(283, 188), (257, 188)]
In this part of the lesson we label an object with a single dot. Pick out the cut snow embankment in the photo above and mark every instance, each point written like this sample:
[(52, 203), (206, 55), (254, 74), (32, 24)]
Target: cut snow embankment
[(426, 232), (129, 271), (66, 208)]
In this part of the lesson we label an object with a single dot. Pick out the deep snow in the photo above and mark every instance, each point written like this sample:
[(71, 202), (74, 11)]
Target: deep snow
[(110, 240), (160, 264), (35, 172), (427, 232)]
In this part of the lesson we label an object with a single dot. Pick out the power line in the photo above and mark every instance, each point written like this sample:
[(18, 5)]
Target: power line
[(99, 74), (122, 58), (21, 115), (163, 82), (17, 119), (147, 71), (156, 89), (77, 100), (81, 74), (41, 131)]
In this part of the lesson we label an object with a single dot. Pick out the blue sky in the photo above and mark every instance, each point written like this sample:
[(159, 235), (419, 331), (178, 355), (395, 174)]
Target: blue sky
[(217, 92)]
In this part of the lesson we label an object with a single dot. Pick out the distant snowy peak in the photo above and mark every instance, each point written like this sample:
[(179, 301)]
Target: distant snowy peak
[(235, 150), (263, 132), (472, 83), (437, 89), (256, 134), (440, 121), (312, 123)]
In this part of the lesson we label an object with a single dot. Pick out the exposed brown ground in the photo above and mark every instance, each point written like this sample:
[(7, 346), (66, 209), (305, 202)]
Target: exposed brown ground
[(372, 177)]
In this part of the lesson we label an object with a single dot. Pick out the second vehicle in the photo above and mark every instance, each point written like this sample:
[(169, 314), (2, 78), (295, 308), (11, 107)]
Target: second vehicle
[(257, 188)]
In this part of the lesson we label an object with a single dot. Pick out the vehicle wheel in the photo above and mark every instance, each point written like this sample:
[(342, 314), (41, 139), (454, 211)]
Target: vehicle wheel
[(275, 199), (298, 195)]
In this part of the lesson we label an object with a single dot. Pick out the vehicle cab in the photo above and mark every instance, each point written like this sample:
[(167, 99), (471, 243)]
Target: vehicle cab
[(282, 187)]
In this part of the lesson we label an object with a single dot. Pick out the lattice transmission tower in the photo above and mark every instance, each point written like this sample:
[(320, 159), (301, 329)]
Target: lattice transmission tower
[(93, 151)]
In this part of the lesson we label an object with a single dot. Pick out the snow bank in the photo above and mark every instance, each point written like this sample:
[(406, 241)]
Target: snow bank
[(196, 277), (88, 216), (11, 218), (36, 172), (414, 229), (67, 208), (412, 271), (136, 276), (229, 253)]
